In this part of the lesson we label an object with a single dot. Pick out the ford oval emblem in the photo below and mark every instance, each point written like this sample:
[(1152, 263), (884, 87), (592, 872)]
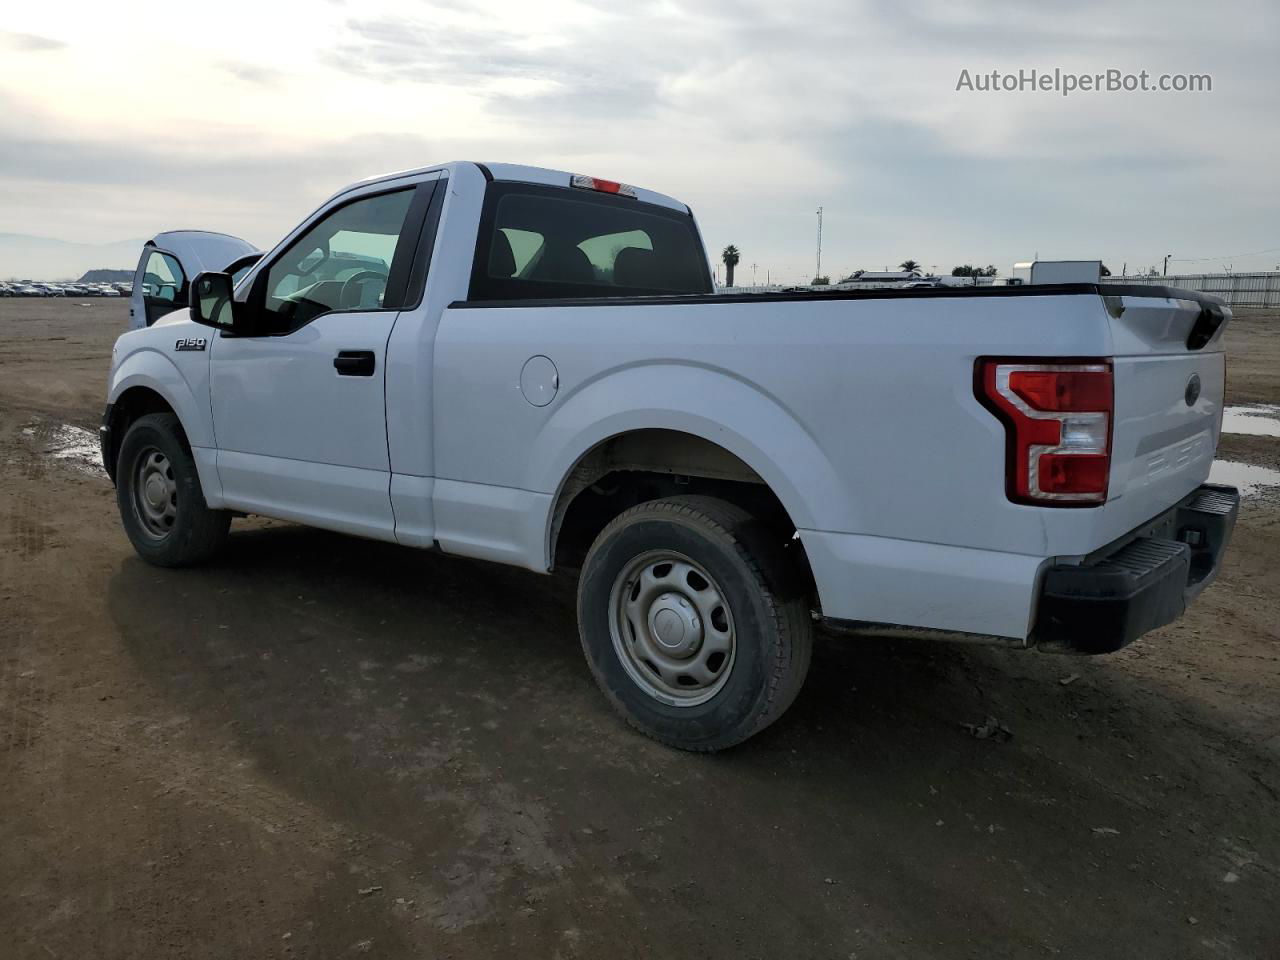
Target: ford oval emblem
[(1193, 390)]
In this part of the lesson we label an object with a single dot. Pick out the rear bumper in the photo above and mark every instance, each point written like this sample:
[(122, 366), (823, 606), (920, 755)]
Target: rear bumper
[(1139, 583)]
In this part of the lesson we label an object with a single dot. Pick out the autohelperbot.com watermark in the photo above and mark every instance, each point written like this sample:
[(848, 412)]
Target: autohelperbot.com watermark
[(1066, 82)]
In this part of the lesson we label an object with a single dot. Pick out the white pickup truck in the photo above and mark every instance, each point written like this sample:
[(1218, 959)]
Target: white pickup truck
[(532, 368)]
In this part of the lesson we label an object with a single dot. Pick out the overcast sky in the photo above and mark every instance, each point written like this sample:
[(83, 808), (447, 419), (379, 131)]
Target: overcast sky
[(119, 120)]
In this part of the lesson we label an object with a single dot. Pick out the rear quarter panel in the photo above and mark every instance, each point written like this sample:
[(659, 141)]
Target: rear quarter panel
[(860, 414)]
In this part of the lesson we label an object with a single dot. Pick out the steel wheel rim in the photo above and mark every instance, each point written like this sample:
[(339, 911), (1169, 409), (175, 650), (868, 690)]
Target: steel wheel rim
[(155, 493), (672, 628)]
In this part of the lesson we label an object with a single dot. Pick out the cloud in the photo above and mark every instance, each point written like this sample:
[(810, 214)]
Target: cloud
[(399, 50), (30, 41), (252, 73), (72, 187), (754, 111)]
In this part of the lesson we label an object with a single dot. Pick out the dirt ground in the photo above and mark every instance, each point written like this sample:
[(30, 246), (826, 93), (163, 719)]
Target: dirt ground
[(321, 747)]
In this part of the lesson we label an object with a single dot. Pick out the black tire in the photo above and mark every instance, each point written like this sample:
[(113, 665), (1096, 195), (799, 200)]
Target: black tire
[(195, 533), (770, 619)]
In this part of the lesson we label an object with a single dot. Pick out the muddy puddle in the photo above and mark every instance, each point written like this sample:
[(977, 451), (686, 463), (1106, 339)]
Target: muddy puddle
[(1256, 420), (74, 446)]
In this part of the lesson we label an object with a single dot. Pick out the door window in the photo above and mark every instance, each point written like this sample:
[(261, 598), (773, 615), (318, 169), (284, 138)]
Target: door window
[(162, 278), (341, 263)]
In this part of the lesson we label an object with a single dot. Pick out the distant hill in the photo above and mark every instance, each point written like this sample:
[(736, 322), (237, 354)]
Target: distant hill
[(24, 257), (106, 276)]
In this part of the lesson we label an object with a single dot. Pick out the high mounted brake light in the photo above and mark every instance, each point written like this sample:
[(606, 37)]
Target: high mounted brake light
[(601, 186), (1057, 417)]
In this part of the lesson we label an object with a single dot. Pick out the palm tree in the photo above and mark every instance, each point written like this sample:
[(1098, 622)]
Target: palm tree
[(730, 258), (909, 265)]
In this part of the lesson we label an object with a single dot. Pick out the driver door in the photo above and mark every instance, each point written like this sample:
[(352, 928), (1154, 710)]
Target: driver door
[(299, 408), (159, 287)]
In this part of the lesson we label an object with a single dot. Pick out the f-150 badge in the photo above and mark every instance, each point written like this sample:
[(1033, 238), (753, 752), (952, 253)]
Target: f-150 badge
[(194, 343)]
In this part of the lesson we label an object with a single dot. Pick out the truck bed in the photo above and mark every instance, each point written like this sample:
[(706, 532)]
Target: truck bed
[(857, 408)]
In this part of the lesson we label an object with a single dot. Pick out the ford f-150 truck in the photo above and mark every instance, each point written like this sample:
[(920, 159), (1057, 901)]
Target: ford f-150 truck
[(533, 368)]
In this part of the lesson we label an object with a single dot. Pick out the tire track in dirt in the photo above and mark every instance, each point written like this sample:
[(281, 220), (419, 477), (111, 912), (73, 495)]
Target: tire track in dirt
[(200, 779), (25, 538), (24, 704), (449, 901)]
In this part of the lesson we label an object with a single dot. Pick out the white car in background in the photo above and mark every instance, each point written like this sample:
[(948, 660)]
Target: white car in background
[(170, 260)]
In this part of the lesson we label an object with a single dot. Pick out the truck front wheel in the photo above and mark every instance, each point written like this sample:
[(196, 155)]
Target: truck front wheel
[(690, 623), (160, 499)]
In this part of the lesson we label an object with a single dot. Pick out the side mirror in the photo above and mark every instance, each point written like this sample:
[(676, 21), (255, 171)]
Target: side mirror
[(213, 303)]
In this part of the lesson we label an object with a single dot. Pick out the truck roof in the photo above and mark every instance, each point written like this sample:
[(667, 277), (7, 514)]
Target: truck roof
[(201, 249), (519, 173)]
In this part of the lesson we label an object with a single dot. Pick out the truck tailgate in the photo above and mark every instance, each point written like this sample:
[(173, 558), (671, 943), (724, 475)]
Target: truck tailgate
[(1169, 383)]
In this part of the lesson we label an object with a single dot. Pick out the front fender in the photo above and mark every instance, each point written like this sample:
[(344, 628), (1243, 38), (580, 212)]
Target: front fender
[(148, 367), (731, 412)]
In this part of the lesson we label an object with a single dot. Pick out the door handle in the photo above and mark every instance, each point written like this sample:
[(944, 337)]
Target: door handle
[(354, 363)]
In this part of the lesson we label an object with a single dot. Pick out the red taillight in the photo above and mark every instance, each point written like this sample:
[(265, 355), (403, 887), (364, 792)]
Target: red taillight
[(1072, 473), (1058, 420), (601, 186), (1063, 390)]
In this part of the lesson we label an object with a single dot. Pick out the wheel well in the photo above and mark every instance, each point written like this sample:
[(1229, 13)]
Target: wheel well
[(644, 465), (129, 406)]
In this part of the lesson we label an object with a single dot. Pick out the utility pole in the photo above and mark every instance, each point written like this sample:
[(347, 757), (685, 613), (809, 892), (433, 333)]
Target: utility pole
[(1166, 264), (819, 273)]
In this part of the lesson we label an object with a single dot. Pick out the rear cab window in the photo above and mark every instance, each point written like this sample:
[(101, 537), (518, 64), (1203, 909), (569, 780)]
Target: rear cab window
[(539, 243)]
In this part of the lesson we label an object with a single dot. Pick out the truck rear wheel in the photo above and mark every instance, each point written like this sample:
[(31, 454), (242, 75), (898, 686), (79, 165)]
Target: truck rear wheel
[(689, 623), (160, 499)]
